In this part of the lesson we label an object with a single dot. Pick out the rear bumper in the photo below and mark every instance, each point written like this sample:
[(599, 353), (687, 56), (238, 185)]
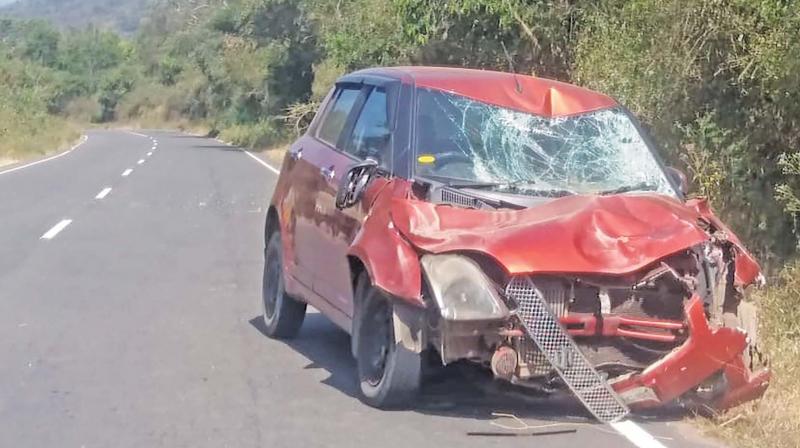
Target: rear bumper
[(707, 350)]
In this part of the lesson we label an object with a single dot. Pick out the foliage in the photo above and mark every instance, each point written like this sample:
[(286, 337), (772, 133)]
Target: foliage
[(120, 15), (775, 419), (713, 81), (43, 72)]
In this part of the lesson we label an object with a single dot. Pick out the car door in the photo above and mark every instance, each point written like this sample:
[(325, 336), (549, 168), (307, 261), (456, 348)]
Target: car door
[(368, 136), (312, 155)]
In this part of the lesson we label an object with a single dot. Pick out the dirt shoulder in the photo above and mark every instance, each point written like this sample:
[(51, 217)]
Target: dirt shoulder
[(8, 163)]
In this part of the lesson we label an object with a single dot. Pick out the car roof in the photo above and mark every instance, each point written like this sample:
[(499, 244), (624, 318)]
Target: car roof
[(538, 96)]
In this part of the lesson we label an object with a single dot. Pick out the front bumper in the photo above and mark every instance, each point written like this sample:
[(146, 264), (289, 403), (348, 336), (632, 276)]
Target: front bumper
[(707, 351)]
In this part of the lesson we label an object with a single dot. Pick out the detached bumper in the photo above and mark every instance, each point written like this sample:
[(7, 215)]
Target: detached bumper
[(707, 351)]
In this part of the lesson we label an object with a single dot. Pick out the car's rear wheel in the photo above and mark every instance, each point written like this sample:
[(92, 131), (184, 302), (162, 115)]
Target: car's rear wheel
[(388, 373), (283, 315)]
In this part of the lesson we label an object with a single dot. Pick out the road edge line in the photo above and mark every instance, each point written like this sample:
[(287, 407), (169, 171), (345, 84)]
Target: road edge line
[(252, 156), (636, 434), (257, 159), (84, 139)]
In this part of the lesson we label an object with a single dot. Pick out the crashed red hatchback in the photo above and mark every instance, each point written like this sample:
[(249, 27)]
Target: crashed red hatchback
[(521, 224)]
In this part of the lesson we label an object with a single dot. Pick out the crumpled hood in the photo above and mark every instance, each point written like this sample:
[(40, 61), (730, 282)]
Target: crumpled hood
[(576, 234)]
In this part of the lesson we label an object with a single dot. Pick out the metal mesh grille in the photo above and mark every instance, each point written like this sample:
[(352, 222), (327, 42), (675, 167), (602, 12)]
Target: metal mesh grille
[(562, 353), (555, 294), (553, 291)]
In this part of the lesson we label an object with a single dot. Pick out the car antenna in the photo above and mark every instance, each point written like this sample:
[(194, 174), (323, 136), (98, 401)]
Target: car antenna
[(511, 66)]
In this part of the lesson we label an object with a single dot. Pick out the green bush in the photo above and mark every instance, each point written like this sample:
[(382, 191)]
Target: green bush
[(773, 421), (256, 135)]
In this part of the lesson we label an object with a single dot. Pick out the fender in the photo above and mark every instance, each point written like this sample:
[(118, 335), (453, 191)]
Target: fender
[(391, 262), (747, 269)]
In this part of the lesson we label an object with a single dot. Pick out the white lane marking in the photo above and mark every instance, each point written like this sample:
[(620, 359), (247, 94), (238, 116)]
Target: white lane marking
[(636, 434), (50, 234), (103, 193), (154, 147), (141, 161), (127, 172), (266, 165), (149, 153), (82, 141), (140, 135)]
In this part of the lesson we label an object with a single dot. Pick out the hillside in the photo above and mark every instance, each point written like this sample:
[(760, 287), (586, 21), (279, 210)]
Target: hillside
[(121, 15)]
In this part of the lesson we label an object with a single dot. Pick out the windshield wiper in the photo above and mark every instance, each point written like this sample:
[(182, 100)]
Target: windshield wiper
[(520, 186), (517, 186), (525, 186), (641, 186)]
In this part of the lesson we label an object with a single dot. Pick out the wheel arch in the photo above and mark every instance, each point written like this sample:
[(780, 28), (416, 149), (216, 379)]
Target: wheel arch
[(357, 269), (272, 224), (409, 319)]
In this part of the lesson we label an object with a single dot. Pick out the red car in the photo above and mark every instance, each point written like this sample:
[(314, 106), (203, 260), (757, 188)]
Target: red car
[(521, 224)]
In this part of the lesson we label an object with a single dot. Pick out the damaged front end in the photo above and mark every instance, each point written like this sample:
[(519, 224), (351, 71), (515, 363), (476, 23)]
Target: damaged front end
[(677, 330)]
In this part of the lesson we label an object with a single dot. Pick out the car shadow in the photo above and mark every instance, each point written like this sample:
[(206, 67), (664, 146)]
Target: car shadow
[(326, 347), (454, 391)]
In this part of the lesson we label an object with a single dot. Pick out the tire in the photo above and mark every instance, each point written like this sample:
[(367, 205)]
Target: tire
[(389, 374), (282, 314)]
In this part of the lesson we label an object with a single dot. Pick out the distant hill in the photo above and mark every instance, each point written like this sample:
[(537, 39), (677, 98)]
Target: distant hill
[(121, 15)]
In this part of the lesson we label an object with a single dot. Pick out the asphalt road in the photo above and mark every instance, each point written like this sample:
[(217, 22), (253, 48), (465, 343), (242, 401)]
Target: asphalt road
[(136, 323)]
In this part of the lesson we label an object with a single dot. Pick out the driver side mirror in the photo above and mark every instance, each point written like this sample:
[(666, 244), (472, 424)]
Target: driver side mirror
[(679, 178), (354, 183)]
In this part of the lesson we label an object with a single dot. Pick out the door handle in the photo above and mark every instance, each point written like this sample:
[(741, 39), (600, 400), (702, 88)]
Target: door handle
[(327, 173), (296, 154)]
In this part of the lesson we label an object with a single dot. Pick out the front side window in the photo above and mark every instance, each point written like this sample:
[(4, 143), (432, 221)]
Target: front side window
[(335, 119), (592, 153), (371, 136)]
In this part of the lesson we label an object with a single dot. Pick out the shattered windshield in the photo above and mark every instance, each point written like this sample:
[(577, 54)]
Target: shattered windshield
[(600, 152)]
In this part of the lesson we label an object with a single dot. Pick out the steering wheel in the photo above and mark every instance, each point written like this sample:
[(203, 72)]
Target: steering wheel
[(354, 183)]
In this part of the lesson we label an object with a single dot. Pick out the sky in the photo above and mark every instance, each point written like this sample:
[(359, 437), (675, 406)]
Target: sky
[(5, 2)]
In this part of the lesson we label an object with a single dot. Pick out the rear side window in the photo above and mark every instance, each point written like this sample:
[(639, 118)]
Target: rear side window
[(336, 117), (370, 136)]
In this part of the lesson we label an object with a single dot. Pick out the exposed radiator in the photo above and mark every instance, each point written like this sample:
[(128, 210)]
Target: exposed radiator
[(542, 326)]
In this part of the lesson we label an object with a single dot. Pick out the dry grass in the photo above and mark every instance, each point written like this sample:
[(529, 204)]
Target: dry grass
[(274, 155), (774, 421), (50, 136)]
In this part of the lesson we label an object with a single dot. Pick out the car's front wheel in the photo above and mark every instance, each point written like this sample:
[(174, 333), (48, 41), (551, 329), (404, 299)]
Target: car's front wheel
[(283, 315), (389, 374)]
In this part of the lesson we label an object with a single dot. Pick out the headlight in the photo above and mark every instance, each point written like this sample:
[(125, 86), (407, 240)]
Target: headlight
[(461, 289)]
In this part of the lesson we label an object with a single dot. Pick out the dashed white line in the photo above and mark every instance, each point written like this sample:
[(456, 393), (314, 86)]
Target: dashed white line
[(636, 434), (103, 193), (140, 135), (82, 141), (149, 153), (266, 165), (141, 161), (50, 234), (127, 172)]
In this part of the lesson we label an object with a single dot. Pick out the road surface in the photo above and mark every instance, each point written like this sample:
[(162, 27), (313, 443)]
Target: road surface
[(130, 273)]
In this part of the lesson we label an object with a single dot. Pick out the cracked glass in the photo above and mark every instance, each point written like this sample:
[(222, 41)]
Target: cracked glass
[(600, 152)]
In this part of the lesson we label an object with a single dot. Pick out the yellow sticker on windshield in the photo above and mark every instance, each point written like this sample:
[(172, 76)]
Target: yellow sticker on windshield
[(426, 159)]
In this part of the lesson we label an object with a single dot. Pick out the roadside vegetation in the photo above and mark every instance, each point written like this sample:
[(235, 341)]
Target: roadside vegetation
[(714, 81), (774, 421), (52, 84)]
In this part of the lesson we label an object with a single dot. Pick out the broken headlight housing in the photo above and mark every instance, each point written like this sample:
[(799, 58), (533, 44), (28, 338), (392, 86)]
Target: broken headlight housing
[(461, 289)]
